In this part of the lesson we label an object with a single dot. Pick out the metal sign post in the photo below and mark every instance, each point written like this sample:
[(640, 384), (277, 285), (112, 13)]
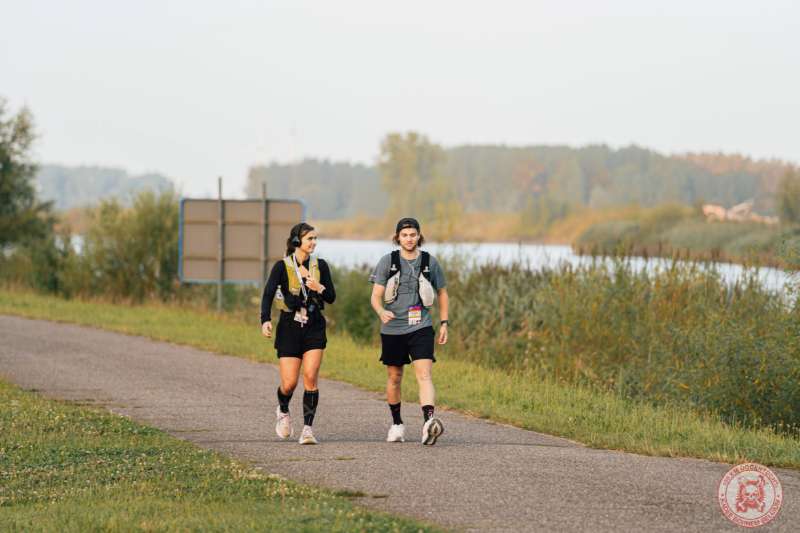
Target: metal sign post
[(263, 227), (221, 249)]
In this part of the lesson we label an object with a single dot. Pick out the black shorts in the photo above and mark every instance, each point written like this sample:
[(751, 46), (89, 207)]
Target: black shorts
[(399, 350), (293, 340)]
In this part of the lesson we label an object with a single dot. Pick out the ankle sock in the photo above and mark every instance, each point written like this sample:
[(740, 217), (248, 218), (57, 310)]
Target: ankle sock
[(427, 412)]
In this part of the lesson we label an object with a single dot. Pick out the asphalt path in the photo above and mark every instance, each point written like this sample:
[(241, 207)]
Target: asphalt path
[(480, 475)]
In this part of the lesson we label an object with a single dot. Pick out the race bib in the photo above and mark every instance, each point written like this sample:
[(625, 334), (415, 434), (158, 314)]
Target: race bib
[(301, 316), (414, 315)]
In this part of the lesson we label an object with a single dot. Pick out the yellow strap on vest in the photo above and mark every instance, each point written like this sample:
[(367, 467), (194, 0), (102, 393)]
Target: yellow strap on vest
[(294, 282)]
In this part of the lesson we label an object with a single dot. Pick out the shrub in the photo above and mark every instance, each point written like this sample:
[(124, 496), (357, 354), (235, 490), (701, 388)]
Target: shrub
[(133, 252)]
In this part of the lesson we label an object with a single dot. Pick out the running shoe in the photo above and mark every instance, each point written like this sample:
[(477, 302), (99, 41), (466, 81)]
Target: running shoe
[(431, 431), (307, 437), (283, 426), (397, 433)]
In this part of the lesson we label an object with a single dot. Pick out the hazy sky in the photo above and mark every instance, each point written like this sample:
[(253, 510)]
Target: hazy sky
[(201, 89)]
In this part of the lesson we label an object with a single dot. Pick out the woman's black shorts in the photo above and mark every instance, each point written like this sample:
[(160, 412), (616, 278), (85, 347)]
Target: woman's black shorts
[(399, 350), (293, 340)]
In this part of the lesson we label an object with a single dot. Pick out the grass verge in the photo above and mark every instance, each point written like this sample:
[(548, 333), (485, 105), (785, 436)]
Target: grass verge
[(597, 419), (70, 468)]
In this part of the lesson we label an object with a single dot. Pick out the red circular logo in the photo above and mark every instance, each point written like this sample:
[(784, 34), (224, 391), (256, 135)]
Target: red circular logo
[(750, 495)]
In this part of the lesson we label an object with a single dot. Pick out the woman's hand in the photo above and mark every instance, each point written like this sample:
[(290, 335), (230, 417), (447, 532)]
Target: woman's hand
[(314, 285), (266, 329)]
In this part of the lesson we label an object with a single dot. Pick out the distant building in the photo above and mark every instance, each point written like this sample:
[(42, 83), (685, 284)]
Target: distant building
[(742, 212)]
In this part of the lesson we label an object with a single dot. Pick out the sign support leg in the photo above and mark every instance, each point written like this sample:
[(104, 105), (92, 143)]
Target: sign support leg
[(221, 252)]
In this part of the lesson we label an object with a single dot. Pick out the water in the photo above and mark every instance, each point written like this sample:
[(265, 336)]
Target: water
[(343, 253), (353, 253)]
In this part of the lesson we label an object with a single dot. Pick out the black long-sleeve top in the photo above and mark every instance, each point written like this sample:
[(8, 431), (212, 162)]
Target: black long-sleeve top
[(278, 277)]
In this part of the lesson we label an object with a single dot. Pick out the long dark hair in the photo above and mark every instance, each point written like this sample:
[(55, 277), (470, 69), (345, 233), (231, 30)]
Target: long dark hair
[(298, 232)]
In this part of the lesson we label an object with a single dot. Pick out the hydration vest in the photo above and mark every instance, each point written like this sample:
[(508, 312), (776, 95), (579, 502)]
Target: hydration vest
[(426, 292), (295, 283)]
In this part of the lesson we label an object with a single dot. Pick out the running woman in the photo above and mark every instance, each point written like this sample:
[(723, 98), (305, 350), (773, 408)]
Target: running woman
[(301, 284), (402, 293)]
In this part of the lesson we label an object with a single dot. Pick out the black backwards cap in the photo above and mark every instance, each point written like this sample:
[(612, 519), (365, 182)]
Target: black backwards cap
[(407, 223)]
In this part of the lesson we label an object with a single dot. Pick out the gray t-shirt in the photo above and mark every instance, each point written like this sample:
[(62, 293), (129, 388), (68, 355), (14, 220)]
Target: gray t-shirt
[(407, 292)]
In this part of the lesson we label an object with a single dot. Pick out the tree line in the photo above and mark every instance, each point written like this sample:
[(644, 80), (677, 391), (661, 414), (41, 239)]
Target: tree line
[(81, 186), (542, 183)]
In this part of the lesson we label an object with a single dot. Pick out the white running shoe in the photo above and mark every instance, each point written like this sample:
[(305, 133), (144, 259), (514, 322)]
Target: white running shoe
[(431, 431), (307, 436), (283, 426), (397, 433)]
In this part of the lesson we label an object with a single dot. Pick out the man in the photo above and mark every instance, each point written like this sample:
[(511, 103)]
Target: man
[(403, 288)]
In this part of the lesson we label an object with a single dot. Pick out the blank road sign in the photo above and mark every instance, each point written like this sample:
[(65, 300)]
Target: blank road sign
[(253, 234)]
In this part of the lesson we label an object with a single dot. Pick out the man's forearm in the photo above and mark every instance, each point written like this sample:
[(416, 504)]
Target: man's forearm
[(444, 305), (376, 304)]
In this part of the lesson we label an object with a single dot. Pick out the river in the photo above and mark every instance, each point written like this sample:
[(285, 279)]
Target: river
[(351, 253)]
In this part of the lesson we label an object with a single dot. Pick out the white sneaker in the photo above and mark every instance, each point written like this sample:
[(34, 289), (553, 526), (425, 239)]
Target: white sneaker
[(283, 426), (397, 433), (307, 436), (431, 431)]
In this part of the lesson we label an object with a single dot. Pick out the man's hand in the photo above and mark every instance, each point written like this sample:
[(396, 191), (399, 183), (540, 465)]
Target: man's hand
[(443, 334), (376, 300), (266, 329)]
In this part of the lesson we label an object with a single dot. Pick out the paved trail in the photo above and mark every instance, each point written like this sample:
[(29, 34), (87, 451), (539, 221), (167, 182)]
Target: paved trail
[(480, 476)]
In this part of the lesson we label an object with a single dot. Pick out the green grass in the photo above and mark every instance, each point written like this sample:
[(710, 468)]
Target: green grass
[(70, 468), (597, 419)]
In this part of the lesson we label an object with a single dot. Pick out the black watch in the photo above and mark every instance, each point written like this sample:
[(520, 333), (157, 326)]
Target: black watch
[(443, 323)]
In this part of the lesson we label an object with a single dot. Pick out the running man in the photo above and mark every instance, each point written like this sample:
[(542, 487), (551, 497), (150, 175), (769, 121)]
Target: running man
[(405, 283), (302, 285)]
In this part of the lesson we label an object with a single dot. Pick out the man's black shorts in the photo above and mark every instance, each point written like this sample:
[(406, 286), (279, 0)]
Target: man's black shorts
[(399, 350), (293, 340)]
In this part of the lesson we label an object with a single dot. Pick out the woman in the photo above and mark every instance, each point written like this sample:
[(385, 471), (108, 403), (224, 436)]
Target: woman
[(301, 285)]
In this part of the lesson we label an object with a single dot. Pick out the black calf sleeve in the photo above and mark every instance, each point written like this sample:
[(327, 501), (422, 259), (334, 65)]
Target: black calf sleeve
[(310, 401)]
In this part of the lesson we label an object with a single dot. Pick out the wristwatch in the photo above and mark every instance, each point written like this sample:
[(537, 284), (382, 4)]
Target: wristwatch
[(443, 323)]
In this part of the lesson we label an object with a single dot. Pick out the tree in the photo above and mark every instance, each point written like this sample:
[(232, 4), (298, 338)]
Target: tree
[(528, 177), (788, 197), (22, 216), (411, 172), (568, 184)]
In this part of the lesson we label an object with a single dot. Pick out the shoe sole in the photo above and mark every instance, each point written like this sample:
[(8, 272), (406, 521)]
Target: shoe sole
[(401, 439), (308, 441), (434, 432)]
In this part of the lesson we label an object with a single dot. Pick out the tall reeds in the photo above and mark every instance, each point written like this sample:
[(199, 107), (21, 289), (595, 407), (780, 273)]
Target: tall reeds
[(678, 335)]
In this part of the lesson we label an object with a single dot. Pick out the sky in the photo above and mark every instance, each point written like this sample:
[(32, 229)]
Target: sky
[(197, 90)]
